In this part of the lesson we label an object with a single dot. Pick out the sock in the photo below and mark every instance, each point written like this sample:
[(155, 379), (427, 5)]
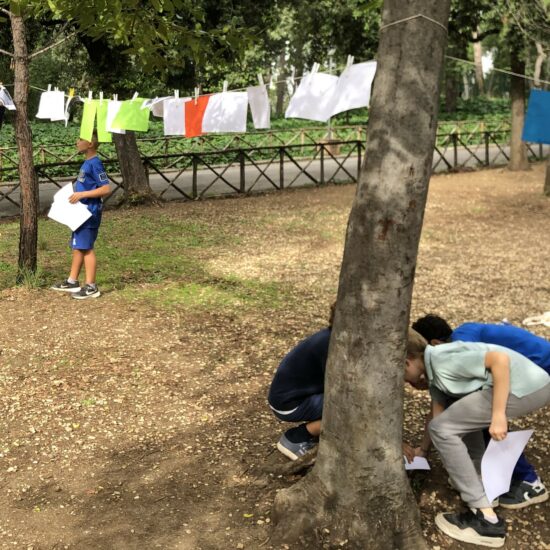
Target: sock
[(72, 281), (298, 434), (92, 285), (490, 519)]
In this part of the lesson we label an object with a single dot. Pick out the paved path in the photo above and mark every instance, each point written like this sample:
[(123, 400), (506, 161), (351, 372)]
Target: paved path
[(208, 185)]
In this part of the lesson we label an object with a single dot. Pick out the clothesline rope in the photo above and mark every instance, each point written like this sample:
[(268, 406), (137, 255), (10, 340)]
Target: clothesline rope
[(417, 16), (294, 79)]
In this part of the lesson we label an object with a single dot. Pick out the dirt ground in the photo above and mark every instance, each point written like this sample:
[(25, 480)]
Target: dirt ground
[(131, 424)]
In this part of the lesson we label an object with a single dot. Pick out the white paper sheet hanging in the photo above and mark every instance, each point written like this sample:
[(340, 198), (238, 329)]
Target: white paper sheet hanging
[(51, 106), (226, 112), (174, 116), (259, 106), (112, 110), (354, 86), (6, 100), (499, 460), (314, 98), (62, 211)]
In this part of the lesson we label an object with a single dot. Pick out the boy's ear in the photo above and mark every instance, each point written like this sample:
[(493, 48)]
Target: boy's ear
[(436, 342)]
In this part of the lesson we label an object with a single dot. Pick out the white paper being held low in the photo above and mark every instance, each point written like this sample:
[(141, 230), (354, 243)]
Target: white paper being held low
[(62, 211), (499, 460)]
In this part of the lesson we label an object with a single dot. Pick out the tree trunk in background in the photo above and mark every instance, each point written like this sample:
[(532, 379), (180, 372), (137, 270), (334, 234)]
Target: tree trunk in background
[(451, 89), (281, 87), (478, 54), (541, 56), (134, 176), (28, 223), (358, 489), (518, 149)]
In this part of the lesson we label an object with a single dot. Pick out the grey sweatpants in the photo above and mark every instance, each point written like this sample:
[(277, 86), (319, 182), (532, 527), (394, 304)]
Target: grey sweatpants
[(456, 434)]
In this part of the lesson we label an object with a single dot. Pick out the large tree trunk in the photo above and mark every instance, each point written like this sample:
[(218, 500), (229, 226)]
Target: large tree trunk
[(134, 176), (281, 86), (28, 222), (358, 489), (518, 149)]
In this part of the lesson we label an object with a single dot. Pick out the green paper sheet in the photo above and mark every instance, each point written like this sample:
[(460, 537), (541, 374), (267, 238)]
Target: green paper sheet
[(132, 117), (88, 119), (102, 135)]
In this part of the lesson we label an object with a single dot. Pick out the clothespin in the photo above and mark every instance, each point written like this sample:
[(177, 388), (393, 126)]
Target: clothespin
[(49, 87), (56, 89), (71, 92), (261, 79), (1, 86), (115, 97), (225, 84), (196, 94), (100, 97), (135, 96), (349, 62), (176, 94), (315, 68), (90, 95)]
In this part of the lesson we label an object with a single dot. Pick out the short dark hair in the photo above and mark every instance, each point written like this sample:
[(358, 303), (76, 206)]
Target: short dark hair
[(433, 327)]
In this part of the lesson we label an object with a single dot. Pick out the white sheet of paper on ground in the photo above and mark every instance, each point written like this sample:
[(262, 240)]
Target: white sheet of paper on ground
[(52, 106), (62, 211), (314, 98), (174, 116), (112, 110), (499, 460), (354, 87), (226, 112), (259, 106), (418, 463)]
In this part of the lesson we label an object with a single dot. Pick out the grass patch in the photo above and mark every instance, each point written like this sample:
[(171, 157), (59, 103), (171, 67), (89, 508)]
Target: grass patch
[(140, 247), (214, 293)]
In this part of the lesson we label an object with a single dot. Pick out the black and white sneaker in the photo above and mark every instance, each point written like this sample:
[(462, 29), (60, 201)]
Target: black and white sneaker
[(472, 528), (87, 291), (524, 494), (295, 450), (65, 286)]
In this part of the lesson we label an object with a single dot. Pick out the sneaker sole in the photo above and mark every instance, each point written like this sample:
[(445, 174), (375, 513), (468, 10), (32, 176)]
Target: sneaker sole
[(94, 295), (71, 290), (286, 452), (467, 535), (525, 503)]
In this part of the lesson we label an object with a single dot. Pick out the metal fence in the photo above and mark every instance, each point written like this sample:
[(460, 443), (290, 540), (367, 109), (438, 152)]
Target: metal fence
[(192, 175)]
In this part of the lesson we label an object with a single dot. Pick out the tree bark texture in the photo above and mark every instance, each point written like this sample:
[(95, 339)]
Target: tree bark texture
[(134, 176), (28, 223), (518, 149), (358, 489)]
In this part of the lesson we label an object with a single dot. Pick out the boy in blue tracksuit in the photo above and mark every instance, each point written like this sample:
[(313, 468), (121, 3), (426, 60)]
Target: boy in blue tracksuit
[(526, 487), (91, 186)]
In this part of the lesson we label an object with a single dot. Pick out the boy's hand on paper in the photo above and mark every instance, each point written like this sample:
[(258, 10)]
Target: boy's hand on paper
[(499, 427), (75, 197), (418, 451), (408, 451)]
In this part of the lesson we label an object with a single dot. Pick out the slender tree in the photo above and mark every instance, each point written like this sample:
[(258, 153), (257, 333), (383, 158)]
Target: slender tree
[(357, 489)]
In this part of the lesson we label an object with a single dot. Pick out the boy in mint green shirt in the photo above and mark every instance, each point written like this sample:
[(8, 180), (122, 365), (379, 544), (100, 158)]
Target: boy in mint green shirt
[(488, 384)]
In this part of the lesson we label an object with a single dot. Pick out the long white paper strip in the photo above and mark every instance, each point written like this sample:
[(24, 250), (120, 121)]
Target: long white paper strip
[(174, 116), (259, 106)]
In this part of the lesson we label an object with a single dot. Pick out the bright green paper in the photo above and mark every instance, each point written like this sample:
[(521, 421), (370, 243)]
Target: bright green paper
[(132, 117), (88, 119), (103, 135)]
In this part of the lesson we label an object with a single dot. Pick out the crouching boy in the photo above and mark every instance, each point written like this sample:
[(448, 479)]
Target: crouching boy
[(490, 384)]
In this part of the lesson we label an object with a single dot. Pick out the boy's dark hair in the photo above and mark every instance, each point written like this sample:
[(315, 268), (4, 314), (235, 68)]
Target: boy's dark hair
[(95, 140), (433, 327)]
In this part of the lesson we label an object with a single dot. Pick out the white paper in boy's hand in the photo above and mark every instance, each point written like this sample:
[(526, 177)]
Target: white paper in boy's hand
[(419, 463), (499, 461), (62, 211)]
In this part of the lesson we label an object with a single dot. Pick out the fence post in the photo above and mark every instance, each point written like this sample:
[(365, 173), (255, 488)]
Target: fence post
[(359, 160), (455, 149), (242, 172), (322, 182), (281, 167), (195, 166), (486, 135)]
